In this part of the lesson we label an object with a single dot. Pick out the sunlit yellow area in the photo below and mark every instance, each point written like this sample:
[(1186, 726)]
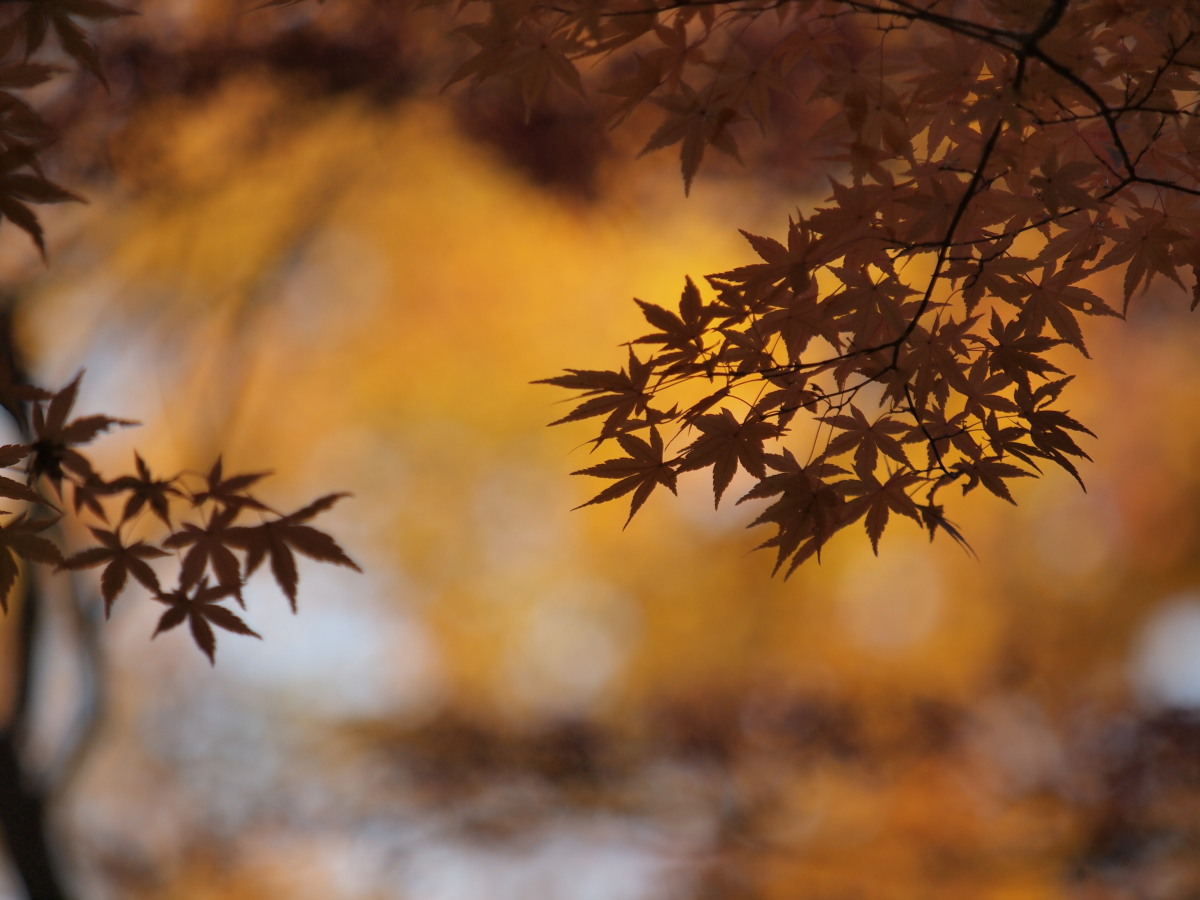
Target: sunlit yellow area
[(518, 699)]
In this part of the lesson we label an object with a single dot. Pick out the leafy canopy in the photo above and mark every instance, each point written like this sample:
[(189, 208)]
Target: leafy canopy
[(987, 161)]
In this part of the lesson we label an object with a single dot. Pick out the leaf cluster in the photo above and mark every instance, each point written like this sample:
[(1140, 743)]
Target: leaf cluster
[(216, 530), (24, 134), (993, 167)]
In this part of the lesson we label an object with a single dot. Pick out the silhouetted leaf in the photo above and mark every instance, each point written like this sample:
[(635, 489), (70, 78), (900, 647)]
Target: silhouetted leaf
[(198, 607), (275, 540), (119, 560), (639, 472), (19, 540), (230, 492)]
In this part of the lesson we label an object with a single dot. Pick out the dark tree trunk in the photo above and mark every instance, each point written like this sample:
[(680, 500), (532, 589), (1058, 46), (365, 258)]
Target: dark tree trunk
[(23, 820)]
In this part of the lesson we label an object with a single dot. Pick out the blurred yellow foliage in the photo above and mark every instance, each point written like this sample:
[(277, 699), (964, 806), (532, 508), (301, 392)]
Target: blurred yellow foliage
[(358, 296)]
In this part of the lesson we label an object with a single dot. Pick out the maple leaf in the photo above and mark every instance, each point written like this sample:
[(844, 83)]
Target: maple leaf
[(1050, 429), (925, 207), (1147, 249), (55, 437), (726, 443), (940, 433), (230, 492), (953, 67), (497, 42), (983, 390), (89, 489), (935, 520), (10, 455), (677, 51), (875, 312), (22, 130), (276, 539), (1017, 353), (1082, 237), (18, 189), (198, 607), (855, 218), (792, 393), (990, 471), (19, 539), (748, 351), (120, 560), (1010, 440), (617, 395), (791, 266), (934, 359), (146, 490), (682, 335), (808, 509), (878, 499), (1001, 277), (41, 16), (640, 472), (543, 61), (209, 548), (694, 120), (1056, 298), (1059, 184), (866, 439), (759, 81), (798, 319)]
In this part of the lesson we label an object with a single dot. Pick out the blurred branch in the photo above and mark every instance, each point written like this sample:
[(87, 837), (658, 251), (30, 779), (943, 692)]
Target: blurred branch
[(85, 609)]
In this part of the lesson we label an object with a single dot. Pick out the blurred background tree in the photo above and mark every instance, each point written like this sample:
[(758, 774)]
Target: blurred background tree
[(297, 253)]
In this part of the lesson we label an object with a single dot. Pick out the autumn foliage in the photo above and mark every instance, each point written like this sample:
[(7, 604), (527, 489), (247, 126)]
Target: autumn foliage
[(203, 516), (994, 168), (994, 174), (905, 336)]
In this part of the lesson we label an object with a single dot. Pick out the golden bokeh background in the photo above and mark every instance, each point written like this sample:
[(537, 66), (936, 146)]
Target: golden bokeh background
[(517, 700)]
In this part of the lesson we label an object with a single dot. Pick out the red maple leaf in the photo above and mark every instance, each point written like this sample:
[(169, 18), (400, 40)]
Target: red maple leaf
[(208, 547), (230, 492), (277, 538), (54, 438), (146, 490), (119, 560), (198, 607), (725, 443), (19, 540), (640, 472)]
